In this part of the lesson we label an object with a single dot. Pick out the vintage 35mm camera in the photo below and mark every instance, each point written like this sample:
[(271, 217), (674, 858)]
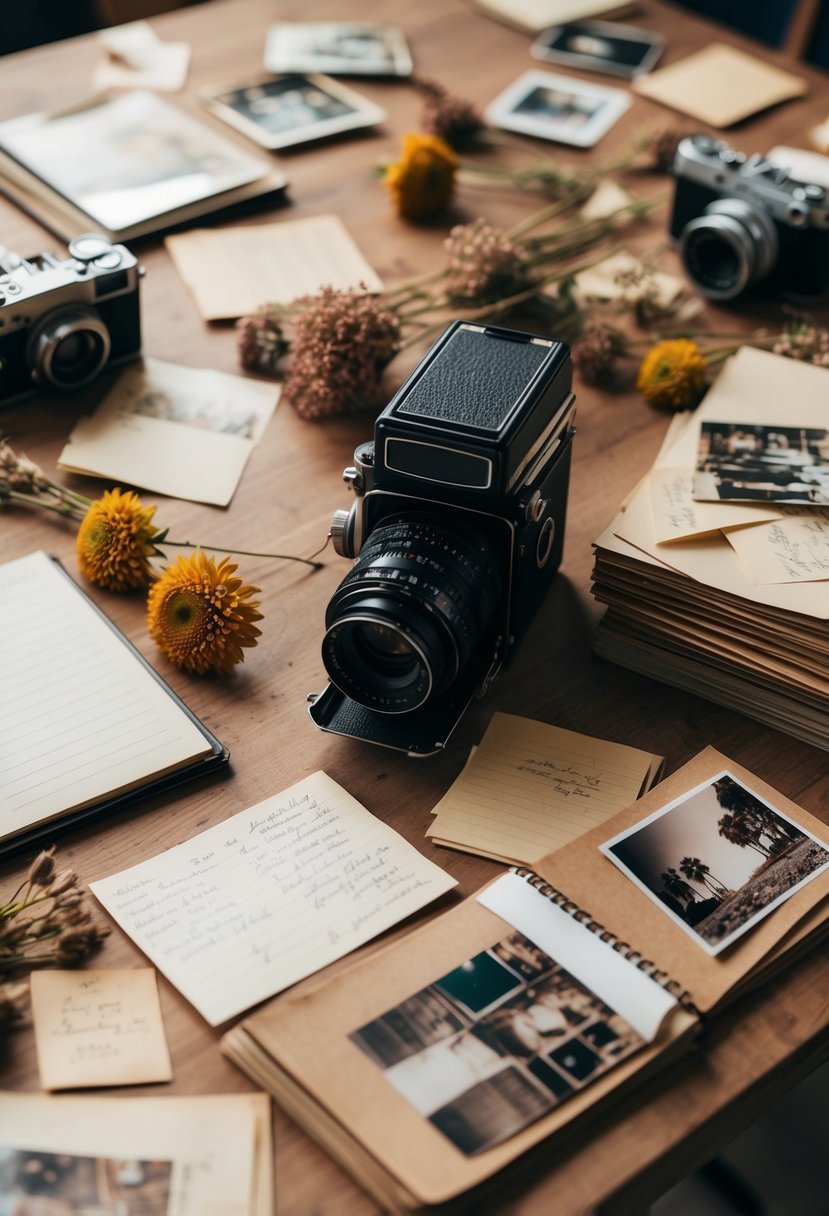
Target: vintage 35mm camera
[(457, 526), (744, 220), (61, 322)]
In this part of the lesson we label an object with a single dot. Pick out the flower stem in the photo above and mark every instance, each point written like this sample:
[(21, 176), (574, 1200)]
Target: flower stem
[(64, 508), (283, 557)]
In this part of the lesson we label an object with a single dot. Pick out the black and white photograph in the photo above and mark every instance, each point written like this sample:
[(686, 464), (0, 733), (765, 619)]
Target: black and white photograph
[(342, 48), (741, 462), (495, 1043), (600, 46), (36, 1183), (558, 108), (282, 111), (718, 860)]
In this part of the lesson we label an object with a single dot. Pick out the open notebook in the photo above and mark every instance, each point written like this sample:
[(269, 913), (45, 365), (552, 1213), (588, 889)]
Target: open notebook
[(85, 722)]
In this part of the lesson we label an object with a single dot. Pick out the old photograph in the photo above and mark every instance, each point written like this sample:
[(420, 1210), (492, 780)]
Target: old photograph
[(762, 464), (558, 108), (282, 111), (36, 1183), (718, 860), (343, 48), (496, 1043)]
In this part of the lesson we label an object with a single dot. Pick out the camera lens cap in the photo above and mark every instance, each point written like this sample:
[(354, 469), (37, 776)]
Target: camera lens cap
[(89, 246)]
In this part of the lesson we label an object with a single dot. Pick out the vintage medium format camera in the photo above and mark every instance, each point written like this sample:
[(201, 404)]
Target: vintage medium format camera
[(741, 221), (457, 526), (62, 322)]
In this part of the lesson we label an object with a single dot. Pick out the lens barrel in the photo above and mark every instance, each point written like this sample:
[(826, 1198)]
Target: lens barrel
[(730, 246), (68, 347), (409, 616)]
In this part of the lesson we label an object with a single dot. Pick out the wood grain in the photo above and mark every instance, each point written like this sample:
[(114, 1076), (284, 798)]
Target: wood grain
[(285, 501)]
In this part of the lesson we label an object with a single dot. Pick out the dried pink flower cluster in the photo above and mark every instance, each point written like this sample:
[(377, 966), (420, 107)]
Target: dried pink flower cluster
[(597, 352), (457, 122), (483, 264), (808, 343), (261, 341), (342, 342)]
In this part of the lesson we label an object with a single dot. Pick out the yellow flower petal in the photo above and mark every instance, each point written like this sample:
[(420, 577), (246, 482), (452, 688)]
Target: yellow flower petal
[(201, 615), (115, 541), (672, 374), (422, 182)]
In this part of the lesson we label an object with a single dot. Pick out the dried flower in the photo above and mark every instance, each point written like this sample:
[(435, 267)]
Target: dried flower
[(261, 342), (597, 353), (343, 340), (422, 181), (115, 541), (456, 121), (672, 374), (201, 615), (483, 264), (804, 341), (36, 920)]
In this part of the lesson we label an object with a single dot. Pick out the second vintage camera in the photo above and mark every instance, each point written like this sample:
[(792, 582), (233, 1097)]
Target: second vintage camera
[(62, 322), (741, 221), (457, 527)]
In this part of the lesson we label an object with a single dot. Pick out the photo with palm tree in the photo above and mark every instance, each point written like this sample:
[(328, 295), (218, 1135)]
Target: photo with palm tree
[(718, 859)]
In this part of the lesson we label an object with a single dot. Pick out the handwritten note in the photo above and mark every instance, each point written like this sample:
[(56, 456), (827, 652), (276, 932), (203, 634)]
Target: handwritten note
[(676, 516), (98, 1028), (791, 550), (256, 903), (531, 788)]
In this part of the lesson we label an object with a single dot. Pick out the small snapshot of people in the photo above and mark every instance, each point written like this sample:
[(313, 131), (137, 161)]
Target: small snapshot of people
[(762, 464)]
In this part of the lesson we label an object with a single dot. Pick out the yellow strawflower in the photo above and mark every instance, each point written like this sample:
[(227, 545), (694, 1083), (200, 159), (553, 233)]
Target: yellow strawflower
[(672, 374), (422, 181), (115, 541), (201, 616)]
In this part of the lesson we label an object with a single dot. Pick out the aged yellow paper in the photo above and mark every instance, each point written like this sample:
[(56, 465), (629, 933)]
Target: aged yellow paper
[(233, 271), (676, 516), (720, 85), (530, 787), (183, 431), (792, 550), (96, 1028)]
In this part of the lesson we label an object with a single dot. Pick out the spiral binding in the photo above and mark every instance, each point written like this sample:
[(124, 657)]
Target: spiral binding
[(674, 987)]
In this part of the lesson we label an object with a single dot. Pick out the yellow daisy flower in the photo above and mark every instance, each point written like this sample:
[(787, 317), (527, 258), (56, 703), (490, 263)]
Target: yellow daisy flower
[(201, 616), (421, 183), (672, 374), (115, 541)]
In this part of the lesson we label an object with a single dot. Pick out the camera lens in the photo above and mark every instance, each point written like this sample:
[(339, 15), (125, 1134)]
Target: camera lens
[(69, 346), (411, 613), (729, 247)]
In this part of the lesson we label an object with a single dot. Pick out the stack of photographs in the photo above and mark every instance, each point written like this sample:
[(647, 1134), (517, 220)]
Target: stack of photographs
[(125, 166), (716, 572)]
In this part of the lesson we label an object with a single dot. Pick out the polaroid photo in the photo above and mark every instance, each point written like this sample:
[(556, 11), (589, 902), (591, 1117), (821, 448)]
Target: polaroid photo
[(32, 1180), (741, 462), (717, 860), (600, 46), (340, 48), (496, 1043), (558, 108), (282, 111)]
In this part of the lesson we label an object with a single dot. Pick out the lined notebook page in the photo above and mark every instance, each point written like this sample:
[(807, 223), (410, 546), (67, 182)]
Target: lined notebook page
[(269, 896), (530, 788), (80, 717)]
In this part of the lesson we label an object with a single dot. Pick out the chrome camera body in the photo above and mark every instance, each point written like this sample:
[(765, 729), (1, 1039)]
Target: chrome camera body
[(62, 322), (742, 221), (457, 528)]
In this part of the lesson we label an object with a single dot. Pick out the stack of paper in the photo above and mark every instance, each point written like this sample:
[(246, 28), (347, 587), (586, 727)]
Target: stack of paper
[(730, 599), (530, 788)]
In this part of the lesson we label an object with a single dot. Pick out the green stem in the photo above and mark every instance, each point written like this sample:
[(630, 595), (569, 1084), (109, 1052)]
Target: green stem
[(283, 557), (31, 500)]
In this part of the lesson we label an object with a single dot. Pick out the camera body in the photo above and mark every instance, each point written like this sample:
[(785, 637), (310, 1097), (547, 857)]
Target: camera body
[(741, 221), (457, 527), (62, 322)]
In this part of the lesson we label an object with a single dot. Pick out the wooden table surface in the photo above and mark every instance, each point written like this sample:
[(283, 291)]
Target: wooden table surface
[(291, 487)]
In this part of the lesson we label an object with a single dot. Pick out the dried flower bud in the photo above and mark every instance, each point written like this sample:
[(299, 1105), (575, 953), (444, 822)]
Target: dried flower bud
[(261, 342), (64, 882), (596, 354), (456, 121), (77, 943), (42, 869), (12, 1005)]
